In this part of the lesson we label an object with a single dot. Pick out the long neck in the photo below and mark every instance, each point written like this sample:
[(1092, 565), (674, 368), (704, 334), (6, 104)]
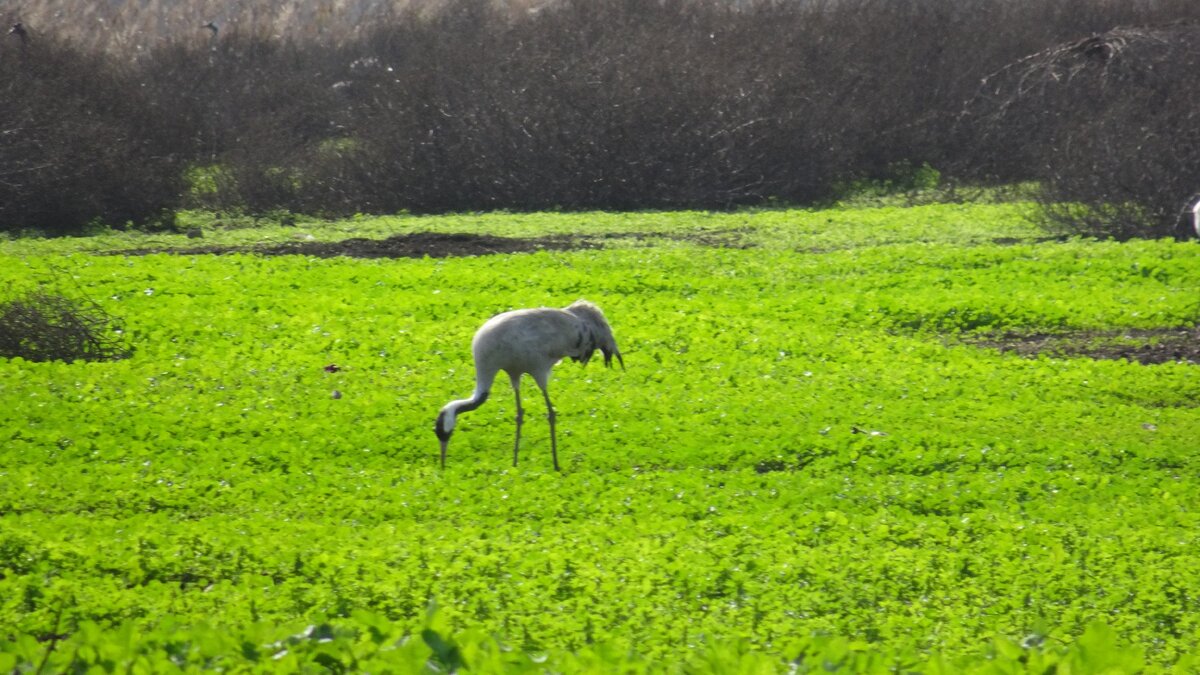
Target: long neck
[(468, 404), (449, 414), (483, 385)]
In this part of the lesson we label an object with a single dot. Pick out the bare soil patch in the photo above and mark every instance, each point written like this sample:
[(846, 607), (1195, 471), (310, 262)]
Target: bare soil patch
[(1148, 346), (446, 245), (416, 245)]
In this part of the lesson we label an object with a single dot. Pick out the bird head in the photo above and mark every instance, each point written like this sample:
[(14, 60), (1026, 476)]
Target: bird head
[(443, 427)]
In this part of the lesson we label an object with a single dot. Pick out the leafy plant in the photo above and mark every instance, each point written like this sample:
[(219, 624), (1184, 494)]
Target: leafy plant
[(808, 464)]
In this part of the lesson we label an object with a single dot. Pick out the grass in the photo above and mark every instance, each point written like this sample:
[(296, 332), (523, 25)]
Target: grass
[(811, 229), (798, 466)]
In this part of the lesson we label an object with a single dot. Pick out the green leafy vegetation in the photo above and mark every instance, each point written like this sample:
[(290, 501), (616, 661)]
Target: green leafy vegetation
[(806, 465)]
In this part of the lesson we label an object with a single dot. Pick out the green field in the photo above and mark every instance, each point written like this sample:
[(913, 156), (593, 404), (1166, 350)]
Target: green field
[(810, 463)]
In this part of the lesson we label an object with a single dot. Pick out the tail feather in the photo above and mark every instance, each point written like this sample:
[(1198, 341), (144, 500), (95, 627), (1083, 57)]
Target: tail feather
[(604, 340)]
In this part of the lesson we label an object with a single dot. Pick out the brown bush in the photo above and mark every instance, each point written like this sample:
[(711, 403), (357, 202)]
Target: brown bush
[(1109, 125), (78, 142), (42, 326), (613, 104)]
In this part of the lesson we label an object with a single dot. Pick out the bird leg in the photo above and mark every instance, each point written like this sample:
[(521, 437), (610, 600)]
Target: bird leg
[(516, 385), (553, 438)]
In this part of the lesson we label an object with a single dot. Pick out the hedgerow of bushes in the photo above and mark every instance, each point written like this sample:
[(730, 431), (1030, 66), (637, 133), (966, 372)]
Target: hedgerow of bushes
[(581, 104)]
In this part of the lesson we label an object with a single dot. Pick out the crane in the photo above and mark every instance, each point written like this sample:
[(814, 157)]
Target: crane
[(530, 341)]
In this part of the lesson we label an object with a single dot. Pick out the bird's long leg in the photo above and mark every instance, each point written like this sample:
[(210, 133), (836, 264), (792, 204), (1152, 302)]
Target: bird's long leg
[(516, 385), (550, 416)]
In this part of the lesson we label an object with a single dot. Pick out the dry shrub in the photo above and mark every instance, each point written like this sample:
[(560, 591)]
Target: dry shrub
[(372, 106), (618, 104), (1109, 125), (41, 326), (79, 142)]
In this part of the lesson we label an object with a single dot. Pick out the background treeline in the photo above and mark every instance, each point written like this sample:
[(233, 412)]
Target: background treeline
[(578, 104)]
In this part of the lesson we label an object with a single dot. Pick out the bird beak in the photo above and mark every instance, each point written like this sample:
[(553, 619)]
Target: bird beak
[(620, 360), (444, 444)]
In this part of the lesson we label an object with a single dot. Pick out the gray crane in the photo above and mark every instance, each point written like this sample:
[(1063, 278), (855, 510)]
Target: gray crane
[(530, 341)]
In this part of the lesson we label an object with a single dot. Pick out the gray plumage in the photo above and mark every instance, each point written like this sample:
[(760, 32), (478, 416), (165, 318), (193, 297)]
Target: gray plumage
[(530, 341)]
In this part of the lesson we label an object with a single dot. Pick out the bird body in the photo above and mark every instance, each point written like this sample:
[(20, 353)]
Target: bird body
[(530, 341)]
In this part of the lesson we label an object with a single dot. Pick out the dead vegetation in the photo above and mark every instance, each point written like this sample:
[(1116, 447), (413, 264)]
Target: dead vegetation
[(332, 108), (1109, 125), (41, 326)]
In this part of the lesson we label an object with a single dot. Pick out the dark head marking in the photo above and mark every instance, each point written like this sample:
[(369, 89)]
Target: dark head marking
[(440, 429)]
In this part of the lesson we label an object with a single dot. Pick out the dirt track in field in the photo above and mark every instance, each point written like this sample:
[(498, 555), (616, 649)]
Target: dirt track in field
[(1148, 346), (447, 245)]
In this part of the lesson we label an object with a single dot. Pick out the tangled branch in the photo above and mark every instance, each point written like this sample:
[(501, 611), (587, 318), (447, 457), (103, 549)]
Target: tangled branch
[(41, 326), (1110, 121)]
